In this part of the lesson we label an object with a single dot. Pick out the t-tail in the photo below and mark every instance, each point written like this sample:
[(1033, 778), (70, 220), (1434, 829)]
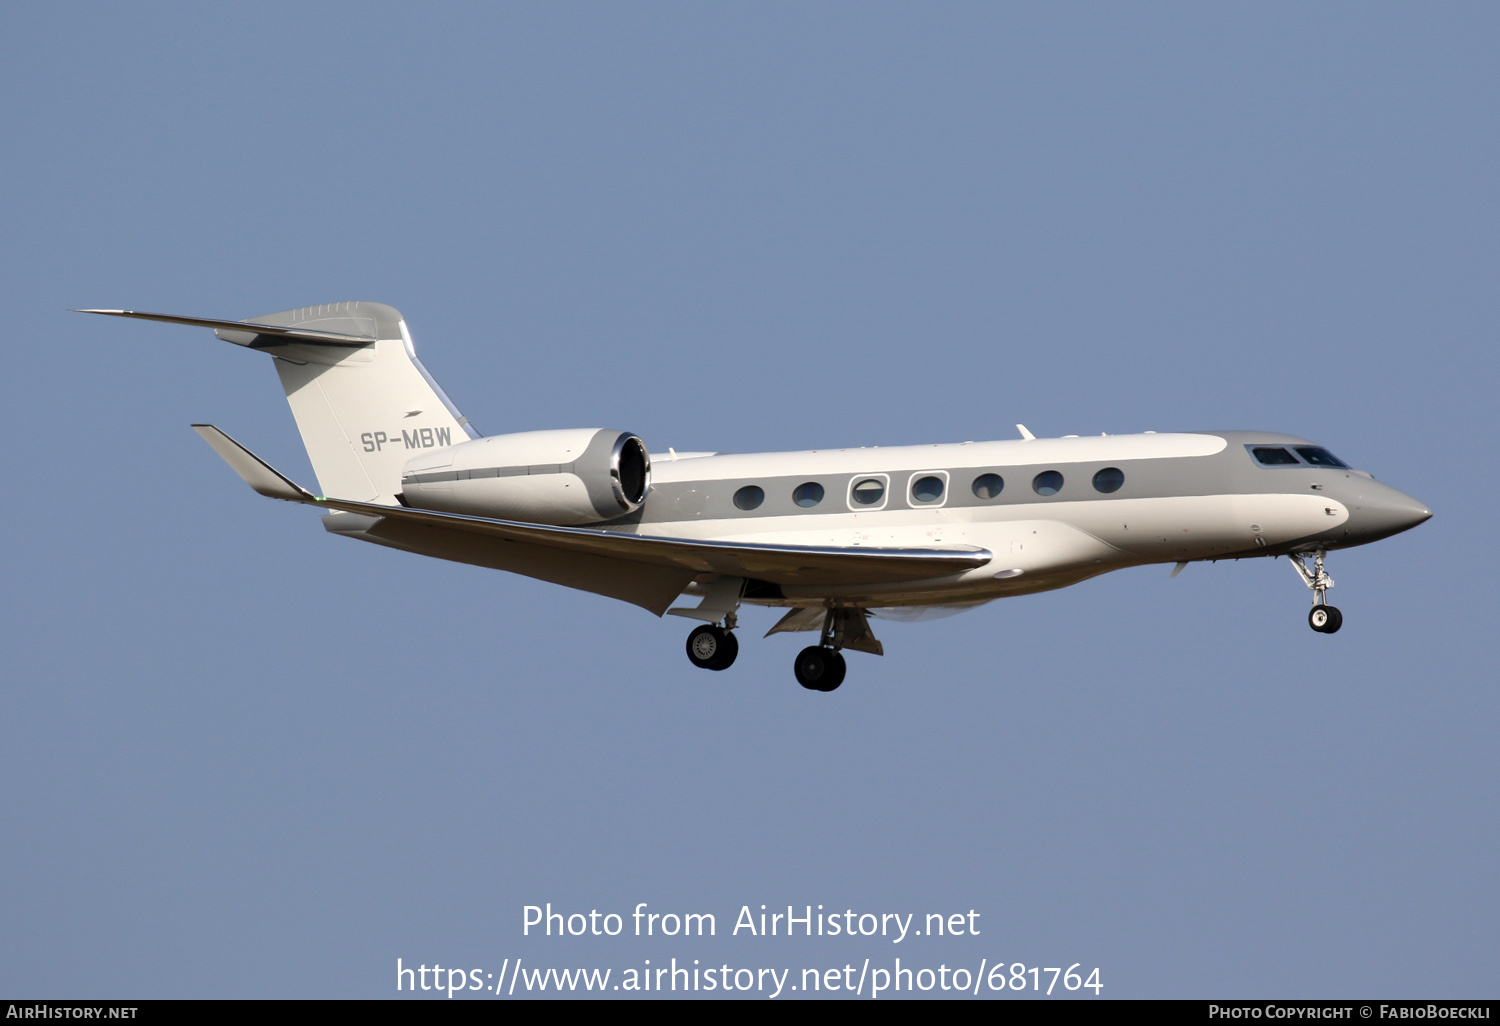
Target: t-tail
[(363, 402)]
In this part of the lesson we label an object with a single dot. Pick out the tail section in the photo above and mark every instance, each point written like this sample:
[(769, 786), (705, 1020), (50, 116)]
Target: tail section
[(362, 413), (362, 401)]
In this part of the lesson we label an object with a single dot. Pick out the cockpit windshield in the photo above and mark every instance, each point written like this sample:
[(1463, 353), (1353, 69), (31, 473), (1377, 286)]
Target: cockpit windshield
[(1288, 456), (1273, 456), (1320, 457)]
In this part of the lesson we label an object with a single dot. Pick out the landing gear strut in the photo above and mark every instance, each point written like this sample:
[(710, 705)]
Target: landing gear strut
[(1324, 619)]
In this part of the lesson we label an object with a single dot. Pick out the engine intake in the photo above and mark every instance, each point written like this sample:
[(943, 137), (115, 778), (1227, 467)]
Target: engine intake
[(578, 476)]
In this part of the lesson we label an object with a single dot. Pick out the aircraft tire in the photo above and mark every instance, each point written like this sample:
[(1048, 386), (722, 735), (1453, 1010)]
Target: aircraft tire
[(819, 669), (712, 648), (1325, 619), (728, 653)]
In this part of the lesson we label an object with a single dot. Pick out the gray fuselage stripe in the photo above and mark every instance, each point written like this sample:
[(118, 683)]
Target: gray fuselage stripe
[(1231, 471)]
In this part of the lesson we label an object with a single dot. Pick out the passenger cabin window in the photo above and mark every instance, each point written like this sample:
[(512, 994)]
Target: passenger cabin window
[(1109, 480), (987, 486), (1320, 457), (1273, 456), (749, 497), (927, 489), (868, 491), (808, 494), (1048, 482)]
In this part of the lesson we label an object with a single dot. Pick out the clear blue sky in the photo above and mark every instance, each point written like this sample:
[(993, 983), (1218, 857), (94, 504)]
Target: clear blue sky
[(240, 757)]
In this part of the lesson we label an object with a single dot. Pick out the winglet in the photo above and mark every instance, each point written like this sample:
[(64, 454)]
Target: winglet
[(1025, 434), (258, 474)]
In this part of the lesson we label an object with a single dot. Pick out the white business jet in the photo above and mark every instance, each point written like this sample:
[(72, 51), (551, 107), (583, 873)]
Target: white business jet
[(832, 536)]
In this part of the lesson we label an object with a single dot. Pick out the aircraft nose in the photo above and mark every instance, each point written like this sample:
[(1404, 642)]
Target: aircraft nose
[(1380, 512)]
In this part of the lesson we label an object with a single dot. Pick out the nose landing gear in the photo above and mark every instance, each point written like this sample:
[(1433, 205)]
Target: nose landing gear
[(1324, 619)]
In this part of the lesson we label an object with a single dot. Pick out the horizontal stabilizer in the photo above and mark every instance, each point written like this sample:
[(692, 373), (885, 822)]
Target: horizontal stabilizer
[(258, 474), (322, 338)]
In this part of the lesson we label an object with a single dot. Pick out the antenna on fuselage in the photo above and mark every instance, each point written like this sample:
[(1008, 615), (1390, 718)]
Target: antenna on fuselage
[(1025, 434)]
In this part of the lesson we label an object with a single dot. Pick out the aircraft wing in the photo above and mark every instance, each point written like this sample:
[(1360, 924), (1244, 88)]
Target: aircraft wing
[(778, 564)]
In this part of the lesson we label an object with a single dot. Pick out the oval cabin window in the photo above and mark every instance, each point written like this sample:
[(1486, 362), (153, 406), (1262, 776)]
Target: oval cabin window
[(927, 489), (749, 497), (808, 494), (1048, 482), (987, 486), (868, 492), (1109, 480)]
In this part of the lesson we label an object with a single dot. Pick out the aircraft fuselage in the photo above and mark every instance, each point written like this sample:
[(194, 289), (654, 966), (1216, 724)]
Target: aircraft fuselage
[(1052, 511)]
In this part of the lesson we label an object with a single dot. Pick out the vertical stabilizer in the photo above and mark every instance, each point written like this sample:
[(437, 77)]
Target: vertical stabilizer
[(362, 411)]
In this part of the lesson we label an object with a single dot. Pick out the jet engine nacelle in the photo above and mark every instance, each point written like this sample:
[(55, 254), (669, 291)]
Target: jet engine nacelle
[(579, 476)]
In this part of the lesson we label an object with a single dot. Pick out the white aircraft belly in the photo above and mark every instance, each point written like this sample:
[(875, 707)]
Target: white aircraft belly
[(1029, 554)]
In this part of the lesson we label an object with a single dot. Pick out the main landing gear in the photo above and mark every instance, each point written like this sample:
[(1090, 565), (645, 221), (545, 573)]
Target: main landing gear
[(1324, 619), (820, 668), (711, 647)]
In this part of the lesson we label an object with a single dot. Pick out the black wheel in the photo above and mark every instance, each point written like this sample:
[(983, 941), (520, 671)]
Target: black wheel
[(1325, 619), (712, 648), (820, 669), (727, 652)]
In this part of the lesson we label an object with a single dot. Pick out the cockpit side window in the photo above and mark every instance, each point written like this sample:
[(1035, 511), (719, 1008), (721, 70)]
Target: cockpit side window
[(1273, 456), (1320, 457)]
